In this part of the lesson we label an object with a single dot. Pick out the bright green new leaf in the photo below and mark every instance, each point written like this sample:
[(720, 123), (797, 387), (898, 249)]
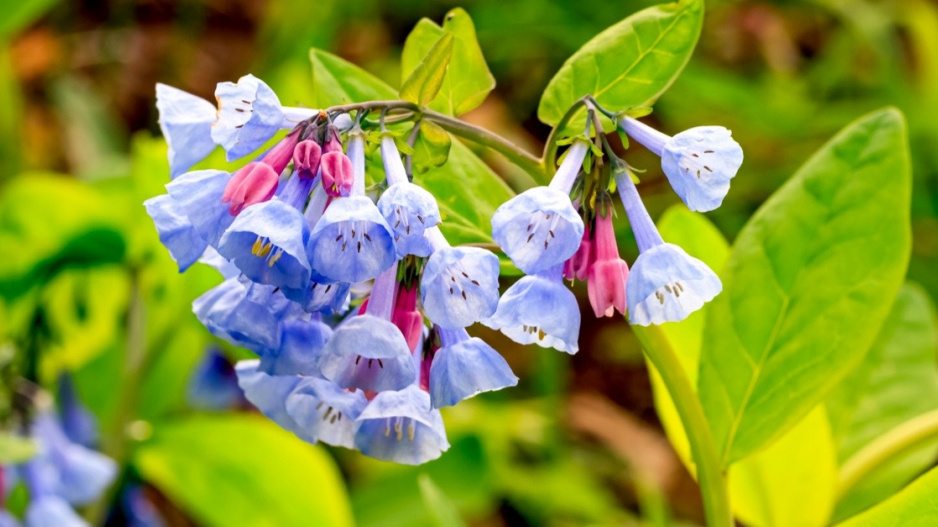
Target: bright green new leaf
[(15, 449), (441, 507), (469, 80), (628, 65), (337, 81), (806, 288), (915, 506), (432, 147), (243, 470), (424, 83), (897, 381)]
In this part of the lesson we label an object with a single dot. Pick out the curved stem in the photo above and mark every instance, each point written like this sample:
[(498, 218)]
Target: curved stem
[(550, 147), (709, 472), (904, 437)]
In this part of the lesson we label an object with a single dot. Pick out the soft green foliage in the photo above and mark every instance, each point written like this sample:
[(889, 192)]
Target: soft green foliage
[(424, 82), (15, 449), (337, 81), (244, 470), (805, 286), (914, 506), (897, 381), (443, 510), (628, 65), (468, 80), (432, 147)]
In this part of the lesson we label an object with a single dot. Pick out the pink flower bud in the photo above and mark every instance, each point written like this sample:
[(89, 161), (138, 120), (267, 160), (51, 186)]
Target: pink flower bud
[(337, 174), (332, 141), (280, 155), (609, 273), (579, 264), (252, 183), (306, 158)]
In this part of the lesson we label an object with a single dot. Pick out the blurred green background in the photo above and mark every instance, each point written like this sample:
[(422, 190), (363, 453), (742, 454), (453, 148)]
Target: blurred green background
[(578, 442)]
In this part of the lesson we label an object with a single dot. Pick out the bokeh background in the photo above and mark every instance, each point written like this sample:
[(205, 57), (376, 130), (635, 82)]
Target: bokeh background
[(578, 442)]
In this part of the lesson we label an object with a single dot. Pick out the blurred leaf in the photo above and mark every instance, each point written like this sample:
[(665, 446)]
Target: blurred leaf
[(243, 470), (15, 449), (804, 287), (432, 147), (915, 506), (468, 80), (792, 482), (424, 82), (896, 381), (18, 15), (11, 118), (337, 81), (628, 65), (443, 510)]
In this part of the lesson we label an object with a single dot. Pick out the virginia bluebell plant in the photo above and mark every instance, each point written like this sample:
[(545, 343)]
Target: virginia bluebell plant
[(299, 234)]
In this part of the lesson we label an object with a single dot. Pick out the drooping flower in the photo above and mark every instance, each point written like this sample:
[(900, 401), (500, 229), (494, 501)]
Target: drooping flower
[(465, 366), (539, 309), (324, 412), (408, 208), (608, 273), (665, 284), (540, 228), (198, 195), (459, 286), (268, 393), (699, 162), (402, 427), (175, 230), (229, 312), (214, 383), (186, 122), (301, 343)]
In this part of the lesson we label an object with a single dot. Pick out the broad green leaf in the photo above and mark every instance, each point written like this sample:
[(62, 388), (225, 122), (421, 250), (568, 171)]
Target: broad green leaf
[(17, 15), (915, 506), (628, 65), (804, 287), (432, 147), (337, 81), (792, 482), (469, 80), (441, 507), (424, 83), (15, 449), (243, 470), (897, 381)]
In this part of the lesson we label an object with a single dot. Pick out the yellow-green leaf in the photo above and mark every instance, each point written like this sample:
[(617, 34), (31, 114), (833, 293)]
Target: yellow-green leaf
[(424, 83)]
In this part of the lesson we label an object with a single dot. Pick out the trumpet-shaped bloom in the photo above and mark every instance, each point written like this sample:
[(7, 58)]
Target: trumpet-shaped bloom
[(175, 230), (369, 353), (199, 195), (351, 242), (699, 162), (407, 208), (538, 229), (249, 114), (268, 243), (608, 274), (667, 285), (466, 366), (459, 286), (301, 344), (539, 309), (400, 426), (230, 313), (324, 412), (186, 122), (268, 393)]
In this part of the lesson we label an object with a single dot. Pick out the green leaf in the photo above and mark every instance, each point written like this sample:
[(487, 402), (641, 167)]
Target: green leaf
[(15, 449), (804, 288), (915, 506), (441, 507), (337, 81), (424, 83), (469, 80), (897, 381), (243, 470), (17, 15), (628, 65), (432, 147)]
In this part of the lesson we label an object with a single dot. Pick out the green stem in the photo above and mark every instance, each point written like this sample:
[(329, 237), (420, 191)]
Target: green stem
[(550, 147), (887, 447), (709, 472)]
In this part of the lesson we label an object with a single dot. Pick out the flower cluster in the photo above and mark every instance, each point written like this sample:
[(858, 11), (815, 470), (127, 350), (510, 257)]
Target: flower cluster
[(297, 235)]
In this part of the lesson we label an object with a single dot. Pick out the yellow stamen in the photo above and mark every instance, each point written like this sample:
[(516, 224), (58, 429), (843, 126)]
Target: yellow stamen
[(265, 250), (257, 246), (275, 257)]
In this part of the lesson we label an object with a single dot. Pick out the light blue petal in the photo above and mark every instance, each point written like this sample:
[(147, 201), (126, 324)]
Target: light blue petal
[(324, 412), (409, 210), (700, 163), (539, 310), (175, 230), (467, 368), (459, 286), (320, 295), (52, 511), (666, 285), (218, 262), (281, 226), (538, 229), (268, 393), (301, 344), (249, 114), (186, 122), (368, 353), (401, 427), (228, 314), (198, 194), (341, 256), (8, 520), (84, 474)]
